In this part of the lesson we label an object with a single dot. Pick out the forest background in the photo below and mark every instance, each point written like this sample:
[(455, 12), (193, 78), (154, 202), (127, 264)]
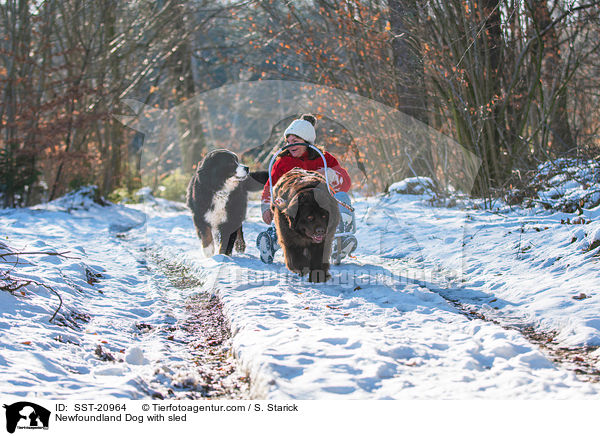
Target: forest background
[(514, 82)]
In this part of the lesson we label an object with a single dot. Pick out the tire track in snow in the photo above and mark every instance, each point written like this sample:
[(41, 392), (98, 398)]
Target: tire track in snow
[(202, 365)]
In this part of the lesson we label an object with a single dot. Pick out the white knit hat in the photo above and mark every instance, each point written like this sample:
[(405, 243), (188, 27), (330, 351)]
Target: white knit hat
[(302, 129)]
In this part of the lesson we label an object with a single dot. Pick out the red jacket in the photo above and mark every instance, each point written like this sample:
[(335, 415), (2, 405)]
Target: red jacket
[(339, 179)]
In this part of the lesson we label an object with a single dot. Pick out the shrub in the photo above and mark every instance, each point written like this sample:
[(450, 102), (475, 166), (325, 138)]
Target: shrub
[(173, 186)]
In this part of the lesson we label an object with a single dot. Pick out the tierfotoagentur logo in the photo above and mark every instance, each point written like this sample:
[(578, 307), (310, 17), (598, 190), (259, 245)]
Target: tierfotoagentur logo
[(26, 416)]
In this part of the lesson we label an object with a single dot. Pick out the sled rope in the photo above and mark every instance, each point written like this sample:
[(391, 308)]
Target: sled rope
[(341, 203)]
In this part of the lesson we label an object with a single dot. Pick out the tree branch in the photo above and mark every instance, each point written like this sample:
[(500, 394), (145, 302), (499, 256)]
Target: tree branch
[(11, 285), (49, 253)]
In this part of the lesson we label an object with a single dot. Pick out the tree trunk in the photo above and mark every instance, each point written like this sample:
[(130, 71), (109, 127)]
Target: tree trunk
[(409, 71), (553, 81), (410, 87)]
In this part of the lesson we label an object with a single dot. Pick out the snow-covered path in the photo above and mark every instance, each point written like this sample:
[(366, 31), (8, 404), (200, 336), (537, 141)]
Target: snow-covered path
[(121, 331), (375, 330), (381, 328)]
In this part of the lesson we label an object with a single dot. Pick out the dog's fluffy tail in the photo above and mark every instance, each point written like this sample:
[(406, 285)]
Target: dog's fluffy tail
[(257, 180)]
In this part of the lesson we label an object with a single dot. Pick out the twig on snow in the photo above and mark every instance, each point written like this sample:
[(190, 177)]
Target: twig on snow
[(12, 285), (49, 253)]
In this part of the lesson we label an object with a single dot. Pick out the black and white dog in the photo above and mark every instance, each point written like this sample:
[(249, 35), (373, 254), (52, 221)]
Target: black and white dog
[(218, 196)]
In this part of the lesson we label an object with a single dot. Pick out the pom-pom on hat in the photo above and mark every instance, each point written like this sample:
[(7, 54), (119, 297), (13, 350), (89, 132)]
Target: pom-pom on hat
[(303, 128)]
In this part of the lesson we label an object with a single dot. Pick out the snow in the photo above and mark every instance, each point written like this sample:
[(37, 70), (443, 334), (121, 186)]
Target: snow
[(384, 326), (574, 183), (413, 185)]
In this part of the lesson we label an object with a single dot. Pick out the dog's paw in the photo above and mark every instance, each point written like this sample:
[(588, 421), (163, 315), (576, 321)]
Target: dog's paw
[(240, 245), (209, 250), (318, 276)]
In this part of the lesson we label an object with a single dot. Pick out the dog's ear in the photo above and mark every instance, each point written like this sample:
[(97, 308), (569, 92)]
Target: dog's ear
[(291, 209), (326, 201), (209, 172), (322, 197)]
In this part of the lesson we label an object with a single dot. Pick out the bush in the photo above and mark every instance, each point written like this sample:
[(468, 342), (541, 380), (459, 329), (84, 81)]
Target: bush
[(121, 195), (566, 185), (174, 186)]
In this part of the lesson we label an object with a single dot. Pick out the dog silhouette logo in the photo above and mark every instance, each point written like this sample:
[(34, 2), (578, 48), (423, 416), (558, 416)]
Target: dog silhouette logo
[(26, 415)]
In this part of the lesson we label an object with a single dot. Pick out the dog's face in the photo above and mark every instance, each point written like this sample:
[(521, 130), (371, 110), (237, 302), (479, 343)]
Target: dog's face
[(311, 220), (223, 164)]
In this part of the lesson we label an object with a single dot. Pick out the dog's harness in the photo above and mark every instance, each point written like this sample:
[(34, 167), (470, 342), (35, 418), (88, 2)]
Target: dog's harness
[(306, 144)]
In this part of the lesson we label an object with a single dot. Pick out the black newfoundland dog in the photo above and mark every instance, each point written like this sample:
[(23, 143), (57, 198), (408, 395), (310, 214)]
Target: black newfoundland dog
[(306, 216), (218, 196)]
